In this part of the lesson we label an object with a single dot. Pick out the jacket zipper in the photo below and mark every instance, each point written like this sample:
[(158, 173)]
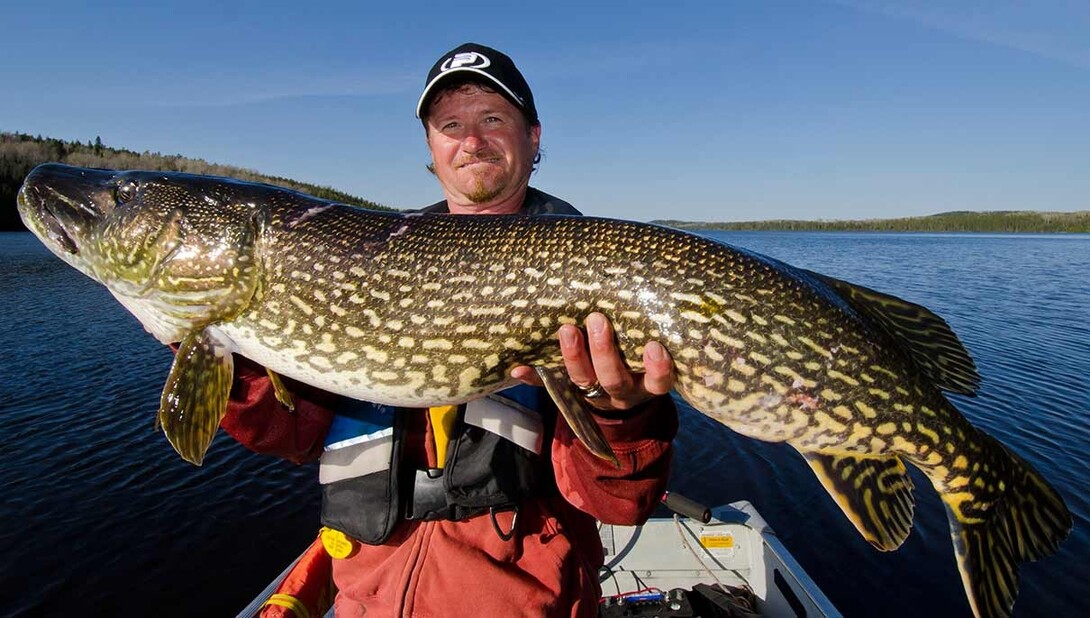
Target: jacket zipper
[(407, 606)]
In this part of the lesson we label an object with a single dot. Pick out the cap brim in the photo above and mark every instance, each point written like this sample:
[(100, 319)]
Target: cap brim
[(444, 75)]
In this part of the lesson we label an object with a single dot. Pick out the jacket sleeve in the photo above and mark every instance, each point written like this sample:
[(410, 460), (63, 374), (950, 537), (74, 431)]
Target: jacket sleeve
[(262, 424), (642, 442)]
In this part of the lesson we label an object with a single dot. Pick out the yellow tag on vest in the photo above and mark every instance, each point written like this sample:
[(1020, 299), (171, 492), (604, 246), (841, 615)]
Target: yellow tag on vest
[(442, 425), (337, 544)]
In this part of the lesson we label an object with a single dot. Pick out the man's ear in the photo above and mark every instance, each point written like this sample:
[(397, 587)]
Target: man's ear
[(535, 137)]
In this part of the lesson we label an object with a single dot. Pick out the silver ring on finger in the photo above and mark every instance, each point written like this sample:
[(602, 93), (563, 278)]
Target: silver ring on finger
[(593, 391)]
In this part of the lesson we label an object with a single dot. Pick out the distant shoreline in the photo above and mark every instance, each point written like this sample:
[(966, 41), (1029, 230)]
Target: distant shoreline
[(1006, 221), (19, 153)]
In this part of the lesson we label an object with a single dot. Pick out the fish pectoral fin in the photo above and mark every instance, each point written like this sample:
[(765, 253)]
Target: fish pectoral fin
[(194, 399), (283, 395), (875, 494), (927, 338), (571, 405)]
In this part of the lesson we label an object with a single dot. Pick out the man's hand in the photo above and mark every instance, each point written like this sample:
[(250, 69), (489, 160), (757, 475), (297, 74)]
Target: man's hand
[(595, 359)]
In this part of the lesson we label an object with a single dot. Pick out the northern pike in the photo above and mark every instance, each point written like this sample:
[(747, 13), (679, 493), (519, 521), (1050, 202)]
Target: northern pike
[(419, 310)]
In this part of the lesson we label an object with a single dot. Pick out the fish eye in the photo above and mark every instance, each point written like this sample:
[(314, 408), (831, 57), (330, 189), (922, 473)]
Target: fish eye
[(125, 191)]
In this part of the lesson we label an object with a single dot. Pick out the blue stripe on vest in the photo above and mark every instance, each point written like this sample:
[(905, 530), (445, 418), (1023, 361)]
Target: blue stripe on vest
[(359, 421), (525, 395)]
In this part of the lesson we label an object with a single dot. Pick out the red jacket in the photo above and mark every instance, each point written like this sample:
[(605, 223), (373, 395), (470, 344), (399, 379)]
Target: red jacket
[(463, 568)]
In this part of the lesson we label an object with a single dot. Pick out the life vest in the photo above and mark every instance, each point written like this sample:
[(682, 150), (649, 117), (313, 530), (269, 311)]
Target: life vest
[(493, 462)]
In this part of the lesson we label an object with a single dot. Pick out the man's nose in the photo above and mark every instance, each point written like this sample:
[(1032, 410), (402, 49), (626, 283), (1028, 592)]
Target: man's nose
[(474, 140)]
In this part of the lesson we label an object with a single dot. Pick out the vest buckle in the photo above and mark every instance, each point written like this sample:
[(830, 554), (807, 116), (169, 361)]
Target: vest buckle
[(510, 534), (429, 498)]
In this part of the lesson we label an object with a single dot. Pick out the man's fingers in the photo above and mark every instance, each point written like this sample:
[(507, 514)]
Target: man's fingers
[(658, 377), (609, 369), (526, 375), (593, 358), (576, 359)]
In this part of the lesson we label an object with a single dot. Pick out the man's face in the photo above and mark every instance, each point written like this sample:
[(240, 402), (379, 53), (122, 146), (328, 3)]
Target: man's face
[(481, 149)]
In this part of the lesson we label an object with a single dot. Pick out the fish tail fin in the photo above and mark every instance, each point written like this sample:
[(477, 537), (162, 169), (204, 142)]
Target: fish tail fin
[(1027, 522)]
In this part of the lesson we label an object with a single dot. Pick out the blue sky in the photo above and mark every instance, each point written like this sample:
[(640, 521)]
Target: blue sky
[(710, 111)]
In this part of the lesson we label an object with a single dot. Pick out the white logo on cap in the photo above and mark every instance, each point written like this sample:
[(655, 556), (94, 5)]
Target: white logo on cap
[(471, 60)]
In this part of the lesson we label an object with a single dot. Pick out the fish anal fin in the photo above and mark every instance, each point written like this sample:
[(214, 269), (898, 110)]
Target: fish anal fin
[(194, 399), (875, 494), (570, 403), (925, 336)]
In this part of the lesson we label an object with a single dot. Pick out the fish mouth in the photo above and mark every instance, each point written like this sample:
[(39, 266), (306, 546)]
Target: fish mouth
[(40, 212), (61, 204)]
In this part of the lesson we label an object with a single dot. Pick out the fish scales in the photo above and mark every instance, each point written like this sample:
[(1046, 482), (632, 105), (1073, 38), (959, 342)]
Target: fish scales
[(418, 310), (502, 283)]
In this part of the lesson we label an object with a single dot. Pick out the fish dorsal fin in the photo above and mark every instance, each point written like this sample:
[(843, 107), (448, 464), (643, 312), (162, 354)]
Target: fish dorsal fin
[(927, 338), (875, 494)]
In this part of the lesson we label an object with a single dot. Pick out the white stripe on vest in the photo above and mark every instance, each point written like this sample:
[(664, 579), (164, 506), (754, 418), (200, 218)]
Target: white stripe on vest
[(360, 441), (507, 419), (358, 459)]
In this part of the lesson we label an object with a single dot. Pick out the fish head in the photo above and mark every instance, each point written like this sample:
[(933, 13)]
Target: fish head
[(178, 250)]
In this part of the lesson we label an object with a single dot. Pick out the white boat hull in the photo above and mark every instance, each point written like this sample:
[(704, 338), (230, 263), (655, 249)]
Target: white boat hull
[(736, 548)]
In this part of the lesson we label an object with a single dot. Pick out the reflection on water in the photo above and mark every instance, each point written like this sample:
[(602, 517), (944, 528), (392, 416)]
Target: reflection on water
[(100, 512)]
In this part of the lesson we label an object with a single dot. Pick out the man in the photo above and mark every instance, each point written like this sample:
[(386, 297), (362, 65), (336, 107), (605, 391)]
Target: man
[(441, 512)]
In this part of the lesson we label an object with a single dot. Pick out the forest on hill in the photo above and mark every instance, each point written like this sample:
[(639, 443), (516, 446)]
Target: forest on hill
[(996, 221), (20, 153)]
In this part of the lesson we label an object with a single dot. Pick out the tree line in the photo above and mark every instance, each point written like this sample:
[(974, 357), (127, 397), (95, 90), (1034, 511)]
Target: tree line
[(20, 153), (998, 221)]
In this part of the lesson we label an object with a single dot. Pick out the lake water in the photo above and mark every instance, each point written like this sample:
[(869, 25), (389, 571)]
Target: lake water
[(100, 513)]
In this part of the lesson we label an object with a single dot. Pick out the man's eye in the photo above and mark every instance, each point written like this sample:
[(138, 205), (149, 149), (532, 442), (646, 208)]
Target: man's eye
[(450, 126), (493, 119)]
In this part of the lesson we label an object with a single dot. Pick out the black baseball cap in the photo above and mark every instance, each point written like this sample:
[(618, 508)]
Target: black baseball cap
[(492, 65)]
